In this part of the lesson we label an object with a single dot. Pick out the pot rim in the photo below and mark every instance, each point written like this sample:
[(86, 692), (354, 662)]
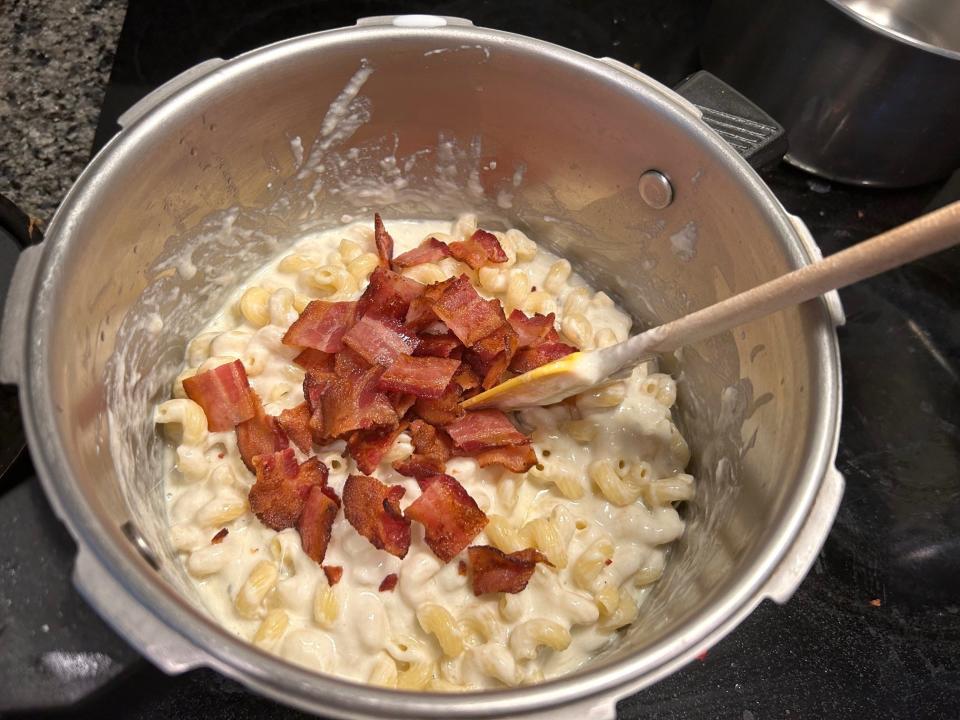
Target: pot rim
[(306, 689)]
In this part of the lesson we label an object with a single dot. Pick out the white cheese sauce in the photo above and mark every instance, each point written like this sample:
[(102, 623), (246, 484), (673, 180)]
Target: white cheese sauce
[(599, 504)]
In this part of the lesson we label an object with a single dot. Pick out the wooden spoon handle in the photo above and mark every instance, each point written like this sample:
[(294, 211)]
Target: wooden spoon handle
[(926, 235)]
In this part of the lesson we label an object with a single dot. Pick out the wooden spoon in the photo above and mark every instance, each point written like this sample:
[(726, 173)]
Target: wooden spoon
[(582, 370)]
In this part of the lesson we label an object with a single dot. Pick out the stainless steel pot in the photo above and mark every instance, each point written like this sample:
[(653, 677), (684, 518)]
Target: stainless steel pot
[(868, 90), (420, 116)]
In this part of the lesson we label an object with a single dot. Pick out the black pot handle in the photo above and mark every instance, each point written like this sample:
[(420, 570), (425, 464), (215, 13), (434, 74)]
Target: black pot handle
[(759, 138)]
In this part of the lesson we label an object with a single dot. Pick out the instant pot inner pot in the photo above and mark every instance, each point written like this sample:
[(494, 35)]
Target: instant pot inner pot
[(201, 192)]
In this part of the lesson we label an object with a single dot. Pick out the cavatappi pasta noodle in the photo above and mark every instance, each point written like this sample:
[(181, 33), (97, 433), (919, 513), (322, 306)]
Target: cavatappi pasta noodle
[(599, 504)]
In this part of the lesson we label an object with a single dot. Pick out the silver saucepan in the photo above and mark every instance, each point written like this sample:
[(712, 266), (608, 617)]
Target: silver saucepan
[(869, 90), (422, 116)]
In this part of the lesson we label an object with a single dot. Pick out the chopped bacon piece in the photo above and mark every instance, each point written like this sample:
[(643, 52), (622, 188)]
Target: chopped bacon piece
[(490, 356), (431, 450), (346, 404), (484, 429), (224, 394), (420, 315), (374, 511), (388, 583), (430, 250), (380, 341), (383, 240), (261, 434), (450, 517), (347, 363), (401, 402), (462, 568), (442, 411), (468, 315), (311, 359), (388, 295), (218, 538), (316, 521), (333, 573), (546, 352), (421, 376), (481, 248), (437, 345), (437, 327), (534, 330), (518, 458), (315, 385), (296, 424), (282, 487), (321, 326), (466, 378), (495, 571), (369, 447)]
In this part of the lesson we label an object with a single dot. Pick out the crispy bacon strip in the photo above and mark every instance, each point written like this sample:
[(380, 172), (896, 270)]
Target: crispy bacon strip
[(388, 583), (347, 363), (368, 448), (311, 359), (490, 356), (388, 295), (420, 315), (445, 409), (546, 352), (450, 517), (484, 429), (296, 424), (401, 402), (466, 378), (321, 326), (278, 496), (374, 511), (316, 521), (315, 386), (421, 376), (437, 345), (224, 394), (384, 241), (481, 248), (429, 251), (468, 315), (340, 405), (261, 434), (333, 573), (518, 458), (495, 571), (539, 341), (431, 450), (380, 341), (534, 330)]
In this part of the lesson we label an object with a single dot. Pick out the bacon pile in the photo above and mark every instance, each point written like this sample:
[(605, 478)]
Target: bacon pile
[(400, 358)]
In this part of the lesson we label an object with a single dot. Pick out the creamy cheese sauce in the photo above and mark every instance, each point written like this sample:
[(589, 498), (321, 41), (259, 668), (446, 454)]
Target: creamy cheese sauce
[(599, 504)]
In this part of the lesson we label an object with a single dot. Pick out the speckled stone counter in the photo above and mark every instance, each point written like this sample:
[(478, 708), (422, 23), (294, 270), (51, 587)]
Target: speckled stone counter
[(55, 60)]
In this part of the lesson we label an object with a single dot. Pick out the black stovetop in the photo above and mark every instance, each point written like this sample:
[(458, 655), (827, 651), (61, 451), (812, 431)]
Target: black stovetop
[(874, 631)]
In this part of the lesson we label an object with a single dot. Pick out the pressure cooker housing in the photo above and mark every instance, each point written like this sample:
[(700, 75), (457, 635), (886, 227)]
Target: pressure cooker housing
[(422, 116)]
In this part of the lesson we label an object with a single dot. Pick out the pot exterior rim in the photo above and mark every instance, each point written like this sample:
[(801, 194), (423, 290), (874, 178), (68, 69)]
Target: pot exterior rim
[(205, 643)]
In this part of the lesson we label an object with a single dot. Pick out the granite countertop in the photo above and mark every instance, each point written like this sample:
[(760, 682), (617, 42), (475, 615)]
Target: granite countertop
[(55, 60)]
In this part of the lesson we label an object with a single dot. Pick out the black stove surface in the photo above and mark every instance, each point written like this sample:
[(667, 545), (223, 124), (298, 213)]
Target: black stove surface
[(874, 630)]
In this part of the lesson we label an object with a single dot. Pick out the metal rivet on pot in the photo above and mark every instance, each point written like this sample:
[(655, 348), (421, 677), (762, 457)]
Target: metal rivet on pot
[(134, 536), (655, 189)]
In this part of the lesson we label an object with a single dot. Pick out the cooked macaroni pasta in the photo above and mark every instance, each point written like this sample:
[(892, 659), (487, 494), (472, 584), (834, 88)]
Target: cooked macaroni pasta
[(599, 504)]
